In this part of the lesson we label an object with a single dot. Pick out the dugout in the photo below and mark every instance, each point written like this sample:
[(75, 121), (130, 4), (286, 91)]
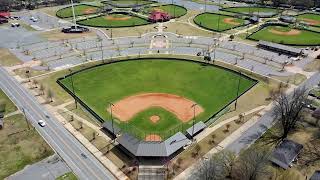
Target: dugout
[(279, 48)]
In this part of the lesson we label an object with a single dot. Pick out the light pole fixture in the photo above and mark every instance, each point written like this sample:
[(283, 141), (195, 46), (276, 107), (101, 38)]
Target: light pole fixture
[(73, 90), (110, 107), (73, 14), (238, 89), (194, 117)]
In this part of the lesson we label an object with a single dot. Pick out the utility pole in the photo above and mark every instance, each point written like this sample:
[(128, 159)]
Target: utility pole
[(73, 90), (74, 15), (194, 118), (110, 107), (238, 89)]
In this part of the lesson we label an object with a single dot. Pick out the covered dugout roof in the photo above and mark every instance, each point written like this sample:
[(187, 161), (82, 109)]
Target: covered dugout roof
[(197, 128), (108, 125), (280, 47), (153, 149)]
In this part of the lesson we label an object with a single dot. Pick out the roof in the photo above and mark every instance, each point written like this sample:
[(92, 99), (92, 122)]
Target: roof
[(158, 15), (153, 149), (285, 153), (315, 175), (5, 14), (197, 127), (280, 46), (108, 125)]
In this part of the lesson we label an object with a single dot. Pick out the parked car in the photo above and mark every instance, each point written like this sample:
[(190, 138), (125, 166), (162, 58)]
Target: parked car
[(15, 24), (33, 19), (75, 29)]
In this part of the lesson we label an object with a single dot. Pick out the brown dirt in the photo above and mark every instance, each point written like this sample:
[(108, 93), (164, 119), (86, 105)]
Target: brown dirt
[(153, 137), (112, 18), (310, 21), (230, 21), (128, 107), (154, 118), (292, 32), (89, 11)]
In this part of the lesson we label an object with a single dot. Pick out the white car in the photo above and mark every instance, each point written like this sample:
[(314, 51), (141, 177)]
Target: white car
[(42, 123), (33, 19), (15, 24)]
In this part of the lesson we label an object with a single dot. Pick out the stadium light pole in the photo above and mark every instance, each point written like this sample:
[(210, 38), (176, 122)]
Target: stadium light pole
[(110, 107), (73, 90), (194, 117), (238, 89), (73, 14)]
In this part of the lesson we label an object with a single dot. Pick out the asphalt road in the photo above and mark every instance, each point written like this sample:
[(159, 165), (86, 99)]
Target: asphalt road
[(67, 146)]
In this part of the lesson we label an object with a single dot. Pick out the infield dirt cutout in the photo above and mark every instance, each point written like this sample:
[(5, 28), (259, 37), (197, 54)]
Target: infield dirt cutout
[(153, 137), (311, 21), (128, 107), (231, 21), (292, 32), (89, 11)]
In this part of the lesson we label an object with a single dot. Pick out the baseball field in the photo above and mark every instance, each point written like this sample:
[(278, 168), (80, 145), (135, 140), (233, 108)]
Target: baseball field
[(310, 19), (217, 22), (130, 2), (79, 10), (287, 35), (172, 10), (260, 11), (156, 95), (114, 21)]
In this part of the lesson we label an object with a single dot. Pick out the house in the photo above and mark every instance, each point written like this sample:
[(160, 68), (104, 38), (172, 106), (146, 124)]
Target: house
[(315, 176), (158, 16), (285, 153)]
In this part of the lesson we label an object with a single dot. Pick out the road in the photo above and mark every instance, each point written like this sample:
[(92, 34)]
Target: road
[(264, 123), (67, 146)]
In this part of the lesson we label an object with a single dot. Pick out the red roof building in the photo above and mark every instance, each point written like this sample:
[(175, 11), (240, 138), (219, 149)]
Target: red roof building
[(157, 16), (4, 14)]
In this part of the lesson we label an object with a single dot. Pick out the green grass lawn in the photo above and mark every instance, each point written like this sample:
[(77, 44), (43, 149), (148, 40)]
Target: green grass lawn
[(79, 10), (253, 10), (131, 2), (304, 38), (67, 176), (310, 16), (10, 107), (103, 21), (210, 21), (211, 87), (172, 10)]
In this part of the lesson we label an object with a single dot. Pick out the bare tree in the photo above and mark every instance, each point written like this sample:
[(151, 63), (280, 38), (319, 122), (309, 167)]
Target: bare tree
[(311, 153), (35, 83), (41, 88), (50, 95), (251, 164)]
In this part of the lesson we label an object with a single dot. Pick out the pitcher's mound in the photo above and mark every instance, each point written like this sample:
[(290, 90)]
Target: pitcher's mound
[(153, 137), (154, 118)]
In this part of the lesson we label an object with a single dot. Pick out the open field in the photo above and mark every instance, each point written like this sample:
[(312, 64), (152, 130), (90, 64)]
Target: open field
[(310, 19), (157, 76), (114, 21), (172, 10), (10, 107), (217, 22), (7, 58), (259, 11), (79, 10), (286, 35)]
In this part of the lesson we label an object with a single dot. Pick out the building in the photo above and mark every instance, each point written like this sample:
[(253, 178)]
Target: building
[(158, 16), (196, 129), (285, 153), (283, 49)]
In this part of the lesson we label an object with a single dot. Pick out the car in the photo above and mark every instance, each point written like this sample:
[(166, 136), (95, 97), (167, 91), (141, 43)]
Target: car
[(83, 155), (75, 29), (15, 24), (33, 19), (42, 123), (15, 17)]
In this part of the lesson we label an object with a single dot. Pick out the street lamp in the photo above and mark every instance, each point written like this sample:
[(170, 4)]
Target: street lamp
[(110, 107), (73, 14), (110, 32), (194, 117), (238, 89)]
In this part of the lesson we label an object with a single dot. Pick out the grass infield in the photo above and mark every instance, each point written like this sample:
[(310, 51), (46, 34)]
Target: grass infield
[(173, 10), (210, 21), (79, 10), (209, 86), (304, 37), (114, 21)]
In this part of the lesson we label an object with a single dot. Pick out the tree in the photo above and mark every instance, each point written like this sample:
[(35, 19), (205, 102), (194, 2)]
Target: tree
[(50, 95), (251, 164), (311, 153), (35, 83), (231, 37), (41, 88), (287, 111)]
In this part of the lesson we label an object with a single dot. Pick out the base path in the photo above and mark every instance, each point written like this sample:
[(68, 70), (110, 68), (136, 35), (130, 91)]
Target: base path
[(127, 108), (231, 21), (153, 137), (292, 32)]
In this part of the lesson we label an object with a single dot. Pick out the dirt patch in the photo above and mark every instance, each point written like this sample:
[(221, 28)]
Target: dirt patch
[(89, 11), (292, 32), (154, 118), (153, 137), (310, 21), (112, 18), (127, 108), (231, 21)]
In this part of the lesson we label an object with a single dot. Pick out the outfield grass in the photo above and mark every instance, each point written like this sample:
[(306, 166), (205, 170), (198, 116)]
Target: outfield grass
[(131, 2), (211, 87), (304, 38), (172, 10), (314, 17), (126, 21), (210, 21), (79, 10), (253, 10)]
